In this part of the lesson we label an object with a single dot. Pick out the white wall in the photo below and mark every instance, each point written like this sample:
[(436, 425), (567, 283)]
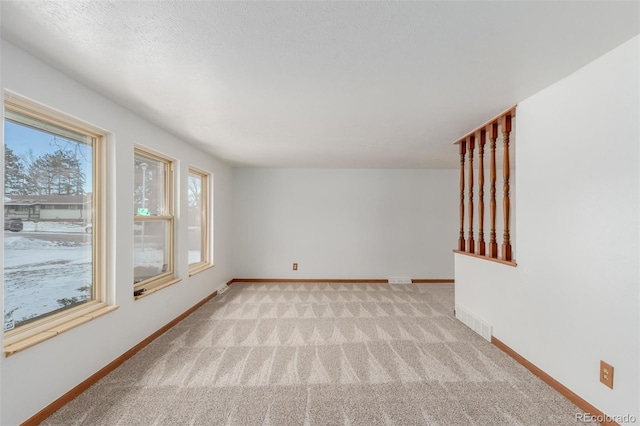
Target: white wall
[(344, 223), (575, 289), (35, 377), (573, 299)]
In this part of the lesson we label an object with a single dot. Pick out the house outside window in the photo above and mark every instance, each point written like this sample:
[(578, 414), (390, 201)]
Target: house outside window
[(54, 272)]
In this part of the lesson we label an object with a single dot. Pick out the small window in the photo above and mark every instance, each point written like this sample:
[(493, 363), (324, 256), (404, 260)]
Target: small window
[(198, 219), (54, 279), (153, 223)]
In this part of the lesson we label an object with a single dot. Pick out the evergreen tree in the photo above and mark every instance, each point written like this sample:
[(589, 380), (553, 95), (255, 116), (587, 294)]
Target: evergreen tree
[(41, 176), (69, 176), (15, 179), (59, 173)]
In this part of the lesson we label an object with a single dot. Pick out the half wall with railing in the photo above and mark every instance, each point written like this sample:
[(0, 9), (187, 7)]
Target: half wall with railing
[(473, 242)]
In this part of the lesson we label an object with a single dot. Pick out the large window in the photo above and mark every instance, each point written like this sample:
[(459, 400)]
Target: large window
[(153, 223), (53, 269), (198, 218)]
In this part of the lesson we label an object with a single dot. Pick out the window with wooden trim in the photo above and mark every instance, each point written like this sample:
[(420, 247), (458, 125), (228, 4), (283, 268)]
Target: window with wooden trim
[(54, 271), (153, 229), (198, 220)]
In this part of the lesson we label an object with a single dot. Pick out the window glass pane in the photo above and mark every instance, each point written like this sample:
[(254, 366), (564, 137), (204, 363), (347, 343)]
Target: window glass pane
[(149, 189), (48, 255), (36, 123), (151, 249), (196, 254)]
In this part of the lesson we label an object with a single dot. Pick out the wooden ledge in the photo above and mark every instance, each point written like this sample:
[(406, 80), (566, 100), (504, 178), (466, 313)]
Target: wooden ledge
[(492, 259), (153, 288), (509, 111), (200, 268), (30, 341)]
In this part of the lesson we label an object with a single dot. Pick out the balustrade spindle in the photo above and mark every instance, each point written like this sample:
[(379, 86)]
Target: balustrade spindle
[(493, 136), (506, 202), (471, 245), (482, 140), (475, 245), (463, 151)]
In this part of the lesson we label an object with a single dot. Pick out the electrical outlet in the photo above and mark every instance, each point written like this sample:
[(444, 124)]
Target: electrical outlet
[(295, 266), (606, 374)]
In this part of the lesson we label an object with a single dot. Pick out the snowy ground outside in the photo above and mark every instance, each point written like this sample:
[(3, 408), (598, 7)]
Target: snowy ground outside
[(194, 256), (148, 262), (53, 227), (51, 264), (39, 274)]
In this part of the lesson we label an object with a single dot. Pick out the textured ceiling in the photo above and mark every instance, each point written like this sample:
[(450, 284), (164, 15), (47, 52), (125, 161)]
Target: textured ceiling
[(319, 84)]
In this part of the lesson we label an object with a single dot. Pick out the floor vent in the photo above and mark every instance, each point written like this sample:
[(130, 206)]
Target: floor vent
[(474, 322), (400, 280), (223, 288)]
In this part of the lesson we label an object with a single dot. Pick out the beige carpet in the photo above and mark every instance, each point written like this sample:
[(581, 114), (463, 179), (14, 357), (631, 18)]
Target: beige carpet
[(321, 354)]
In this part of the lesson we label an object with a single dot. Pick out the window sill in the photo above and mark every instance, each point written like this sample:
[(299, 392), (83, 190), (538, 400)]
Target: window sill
[(33, 340), (197, 268), (491, 259), (152, 288)]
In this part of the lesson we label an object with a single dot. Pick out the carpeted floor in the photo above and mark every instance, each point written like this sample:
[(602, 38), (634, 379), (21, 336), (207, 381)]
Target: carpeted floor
[(321, 354)]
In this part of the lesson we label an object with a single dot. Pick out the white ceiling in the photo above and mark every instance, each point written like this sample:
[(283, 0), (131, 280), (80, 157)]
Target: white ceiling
[(319, 84)]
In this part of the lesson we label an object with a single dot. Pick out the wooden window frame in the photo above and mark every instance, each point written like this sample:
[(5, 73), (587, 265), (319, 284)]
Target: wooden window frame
[(167, 278), (50, 326), (205, 220)]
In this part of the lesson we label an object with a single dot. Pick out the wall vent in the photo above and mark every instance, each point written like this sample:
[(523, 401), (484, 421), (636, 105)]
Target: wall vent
[(474, 322), (401, 280)]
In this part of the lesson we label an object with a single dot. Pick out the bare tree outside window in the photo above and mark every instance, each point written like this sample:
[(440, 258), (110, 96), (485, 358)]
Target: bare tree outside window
[(198, 218)]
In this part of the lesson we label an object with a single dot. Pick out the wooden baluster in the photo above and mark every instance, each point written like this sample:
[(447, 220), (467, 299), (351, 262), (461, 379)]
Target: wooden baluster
[(481, 137), (506, 203), (463, 151), (492, 129), (471, 245)]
